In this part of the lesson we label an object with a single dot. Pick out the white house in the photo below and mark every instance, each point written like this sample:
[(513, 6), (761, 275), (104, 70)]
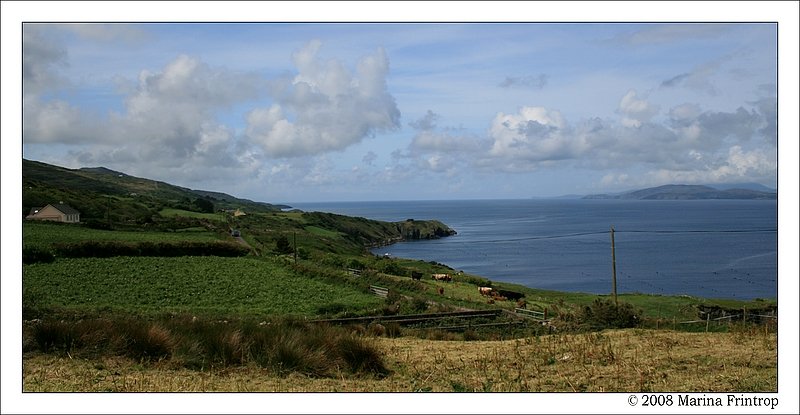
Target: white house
[(59, 213)]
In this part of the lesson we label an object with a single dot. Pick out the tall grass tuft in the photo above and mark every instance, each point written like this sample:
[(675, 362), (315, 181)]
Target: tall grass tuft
[(148, 341), (53, 336), (282, 346), (361, 357)]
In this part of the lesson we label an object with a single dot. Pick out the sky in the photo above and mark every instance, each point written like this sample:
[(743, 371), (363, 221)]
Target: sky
[(303, 112)]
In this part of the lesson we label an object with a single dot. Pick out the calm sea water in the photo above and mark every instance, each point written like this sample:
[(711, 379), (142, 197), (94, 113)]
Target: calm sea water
[(706, 248)]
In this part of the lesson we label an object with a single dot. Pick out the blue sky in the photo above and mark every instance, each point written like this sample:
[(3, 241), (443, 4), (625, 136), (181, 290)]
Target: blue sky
[(300, 112)]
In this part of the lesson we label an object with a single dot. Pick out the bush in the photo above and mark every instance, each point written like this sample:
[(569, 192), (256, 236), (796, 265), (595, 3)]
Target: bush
[(34, 254), (604, 314), (282, 245), (106, 249)]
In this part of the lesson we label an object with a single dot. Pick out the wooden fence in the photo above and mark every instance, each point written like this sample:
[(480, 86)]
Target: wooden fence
[(538, 315), (379, 291), (406, 319)]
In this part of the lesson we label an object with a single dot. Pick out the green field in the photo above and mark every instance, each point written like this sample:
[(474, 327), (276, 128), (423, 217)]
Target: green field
[(44, 234), (170, 212), (205, 285)]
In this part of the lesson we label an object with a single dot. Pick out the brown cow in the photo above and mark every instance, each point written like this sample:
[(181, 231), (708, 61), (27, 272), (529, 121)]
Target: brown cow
[(442, 277), (441, 291), (485, 290)]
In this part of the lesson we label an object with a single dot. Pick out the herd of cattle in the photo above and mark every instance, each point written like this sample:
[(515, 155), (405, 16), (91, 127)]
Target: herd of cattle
[(493, 294)]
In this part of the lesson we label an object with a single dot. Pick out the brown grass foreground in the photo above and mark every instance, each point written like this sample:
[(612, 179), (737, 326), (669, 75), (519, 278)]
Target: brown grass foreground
[(632, 360)]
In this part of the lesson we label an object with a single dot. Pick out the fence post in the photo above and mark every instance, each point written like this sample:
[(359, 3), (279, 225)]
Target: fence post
[(744, 315), (545, 313), (708, 320)]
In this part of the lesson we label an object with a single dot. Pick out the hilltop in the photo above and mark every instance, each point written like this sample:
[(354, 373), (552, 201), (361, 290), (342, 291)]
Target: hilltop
[(96, 191), (688, 192)]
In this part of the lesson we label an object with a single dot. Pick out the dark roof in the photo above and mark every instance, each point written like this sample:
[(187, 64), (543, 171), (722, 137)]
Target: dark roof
[(66, 209)]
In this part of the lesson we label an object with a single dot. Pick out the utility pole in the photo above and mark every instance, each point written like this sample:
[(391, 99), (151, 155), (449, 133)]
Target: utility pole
[(614, 267)]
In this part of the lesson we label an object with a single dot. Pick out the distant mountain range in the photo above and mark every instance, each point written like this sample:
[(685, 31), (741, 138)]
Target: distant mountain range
[(693, 192)]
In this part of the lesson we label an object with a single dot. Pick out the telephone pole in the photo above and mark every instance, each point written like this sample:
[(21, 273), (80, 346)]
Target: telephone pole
[(613, 267)]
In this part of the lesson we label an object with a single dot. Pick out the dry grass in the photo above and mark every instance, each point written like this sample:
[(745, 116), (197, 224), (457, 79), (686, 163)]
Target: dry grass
[(630, 360)]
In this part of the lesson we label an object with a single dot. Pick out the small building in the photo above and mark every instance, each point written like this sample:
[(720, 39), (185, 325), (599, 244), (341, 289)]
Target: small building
[(58, 213)]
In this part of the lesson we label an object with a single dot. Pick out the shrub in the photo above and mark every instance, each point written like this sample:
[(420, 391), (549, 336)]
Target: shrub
[(105, 249), (376, 329), (53, 335), (34, 254), (282, 245), (390, 267), (393, 330), (605, 314), (97, 224)]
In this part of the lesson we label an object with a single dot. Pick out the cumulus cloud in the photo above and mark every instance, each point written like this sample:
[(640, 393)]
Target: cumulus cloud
[(325, 107), (693, 145), (438, 149), (534, 134), (635, 111), (168, 125)]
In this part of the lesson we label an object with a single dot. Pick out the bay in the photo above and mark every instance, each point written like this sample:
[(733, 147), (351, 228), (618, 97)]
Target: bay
[(703, 248)]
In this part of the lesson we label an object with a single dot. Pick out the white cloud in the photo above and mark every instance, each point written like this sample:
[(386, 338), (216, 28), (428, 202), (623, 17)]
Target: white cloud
[(533, 134), (42, 58), (324, 107), (635, 111), (167, 129)]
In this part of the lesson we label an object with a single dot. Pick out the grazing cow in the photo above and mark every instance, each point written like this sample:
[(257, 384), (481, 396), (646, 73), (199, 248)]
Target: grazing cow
[(441, 291), (416, 275), (442, 277), (511, 295), (485, 290), (522, 304)]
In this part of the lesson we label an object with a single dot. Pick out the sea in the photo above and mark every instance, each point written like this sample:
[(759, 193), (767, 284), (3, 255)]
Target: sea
[(702, 248)]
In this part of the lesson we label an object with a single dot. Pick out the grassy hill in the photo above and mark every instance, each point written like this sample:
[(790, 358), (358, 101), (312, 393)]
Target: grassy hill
[(99, 192), (203, 313)]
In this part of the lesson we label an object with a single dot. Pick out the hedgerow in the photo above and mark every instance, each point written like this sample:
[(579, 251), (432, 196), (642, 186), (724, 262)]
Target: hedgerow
[(106, 249)]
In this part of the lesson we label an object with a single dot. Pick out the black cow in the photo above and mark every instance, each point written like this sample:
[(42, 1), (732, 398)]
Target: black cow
[(416, 275), (511, 295)]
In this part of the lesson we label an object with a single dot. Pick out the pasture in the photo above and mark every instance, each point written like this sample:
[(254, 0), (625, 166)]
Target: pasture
[(610, 361), (44, 234), (205, 285)]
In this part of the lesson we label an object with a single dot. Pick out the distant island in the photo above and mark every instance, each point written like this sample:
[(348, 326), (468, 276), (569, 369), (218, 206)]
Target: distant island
[(688, 192)]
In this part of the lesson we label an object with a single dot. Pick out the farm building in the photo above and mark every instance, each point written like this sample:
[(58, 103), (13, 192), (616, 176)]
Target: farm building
[(59, 213)]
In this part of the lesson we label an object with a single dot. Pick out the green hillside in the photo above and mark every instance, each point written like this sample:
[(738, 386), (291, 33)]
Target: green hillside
[(130, 218), (100, 193)]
